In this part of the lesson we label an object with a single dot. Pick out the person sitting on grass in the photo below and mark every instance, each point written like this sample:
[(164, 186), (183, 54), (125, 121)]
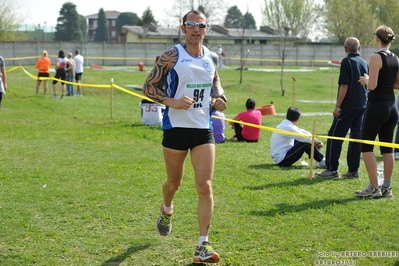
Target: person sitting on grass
[(287, 149), (251, 116)]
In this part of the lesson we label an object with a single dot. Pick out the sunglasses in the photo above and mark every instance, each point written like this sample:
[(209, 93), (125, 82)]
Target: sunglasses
[(193, 24)]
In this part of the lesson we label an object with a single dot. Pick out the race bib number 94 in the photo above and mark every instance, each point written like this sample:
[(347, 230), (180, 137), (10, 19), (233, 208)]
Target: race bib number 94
[(200, 92)]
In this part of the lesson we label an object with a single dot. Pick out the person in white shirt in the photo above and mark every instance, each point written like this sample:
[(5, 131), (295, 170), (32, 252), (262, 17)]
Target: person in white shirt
[(186, 81), (286, 149), (220, 55), (79, 61)]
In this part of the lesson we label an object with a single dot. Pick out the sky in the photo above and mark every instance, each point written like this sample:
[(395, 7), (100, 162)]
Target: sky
[(46, 12)]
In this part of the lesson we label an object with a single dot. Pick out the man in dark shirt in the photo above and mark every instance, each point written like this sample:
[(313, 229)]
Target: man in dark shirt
[(348, 112)]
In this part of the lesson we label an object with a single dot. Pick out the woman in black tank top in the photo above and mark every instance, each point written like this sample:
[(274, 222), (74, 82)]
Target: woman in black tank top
[(381, 114)]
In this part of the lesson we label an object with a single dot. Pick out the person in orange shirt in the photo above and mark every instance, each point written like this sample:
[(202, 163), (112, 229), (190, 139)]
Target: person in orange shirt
[(43, 65)]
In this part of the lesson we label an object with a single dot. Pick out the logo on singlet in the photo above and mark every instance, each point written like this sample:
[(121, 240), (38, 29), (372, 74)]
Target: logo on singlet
[(207, 65), (186, 60)]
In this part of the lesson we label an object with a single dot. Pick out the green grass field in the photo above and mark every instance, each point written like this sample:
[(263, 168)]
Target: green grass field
[(78, 187)]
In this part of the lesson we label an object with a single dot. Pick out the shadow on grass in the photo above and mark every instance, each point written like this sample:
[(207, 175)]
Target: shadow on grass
[(122, 257), (296, 182), (274, 166), (284, 208)]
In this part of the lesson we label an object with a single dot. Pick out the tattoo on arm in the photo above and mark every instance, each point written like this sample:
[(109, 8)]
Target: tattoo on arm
[(153, 86)]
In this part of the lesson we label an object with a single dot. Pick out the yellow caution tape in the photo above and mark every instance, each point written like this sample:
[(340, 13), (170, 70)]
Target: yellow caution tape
[(370, 142)]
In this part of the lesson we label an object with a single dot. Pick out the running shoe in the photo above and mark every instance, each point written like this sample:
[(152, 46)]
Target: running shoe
[(369, 191), (351, 175), (164, 223), (205, 253), (327, 174)]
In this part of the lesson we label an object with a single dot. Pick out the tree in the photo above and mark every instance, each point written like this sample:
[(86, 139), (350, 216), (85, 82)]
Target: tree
[(345, 18), (201, 8), (101, 34), (68, 26), (245, 50), (148, 17), (282, 15), (249, 21), (211, 8), (234, 18), (359, 18), (83, 26), (128, 19), (299, 15), (242, 52), (384, 14), (384, 10), (10, 21), (284, 50)]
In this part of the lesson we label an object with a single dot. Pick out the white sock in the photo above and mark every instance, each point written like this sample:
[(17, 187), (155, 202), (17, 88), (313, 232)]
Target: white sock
[(202, 239), (167, 210)]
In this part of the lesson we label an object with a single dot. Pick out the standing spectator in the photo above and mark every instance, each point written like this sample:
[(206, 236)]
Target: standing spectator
[(79, 62), (192, 88), (3, 79), (218, 126), (348, 112), (43, 65), (60, 66), (220, 56), (252, 116), (287, 149), (381, 114), (70, 74)]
